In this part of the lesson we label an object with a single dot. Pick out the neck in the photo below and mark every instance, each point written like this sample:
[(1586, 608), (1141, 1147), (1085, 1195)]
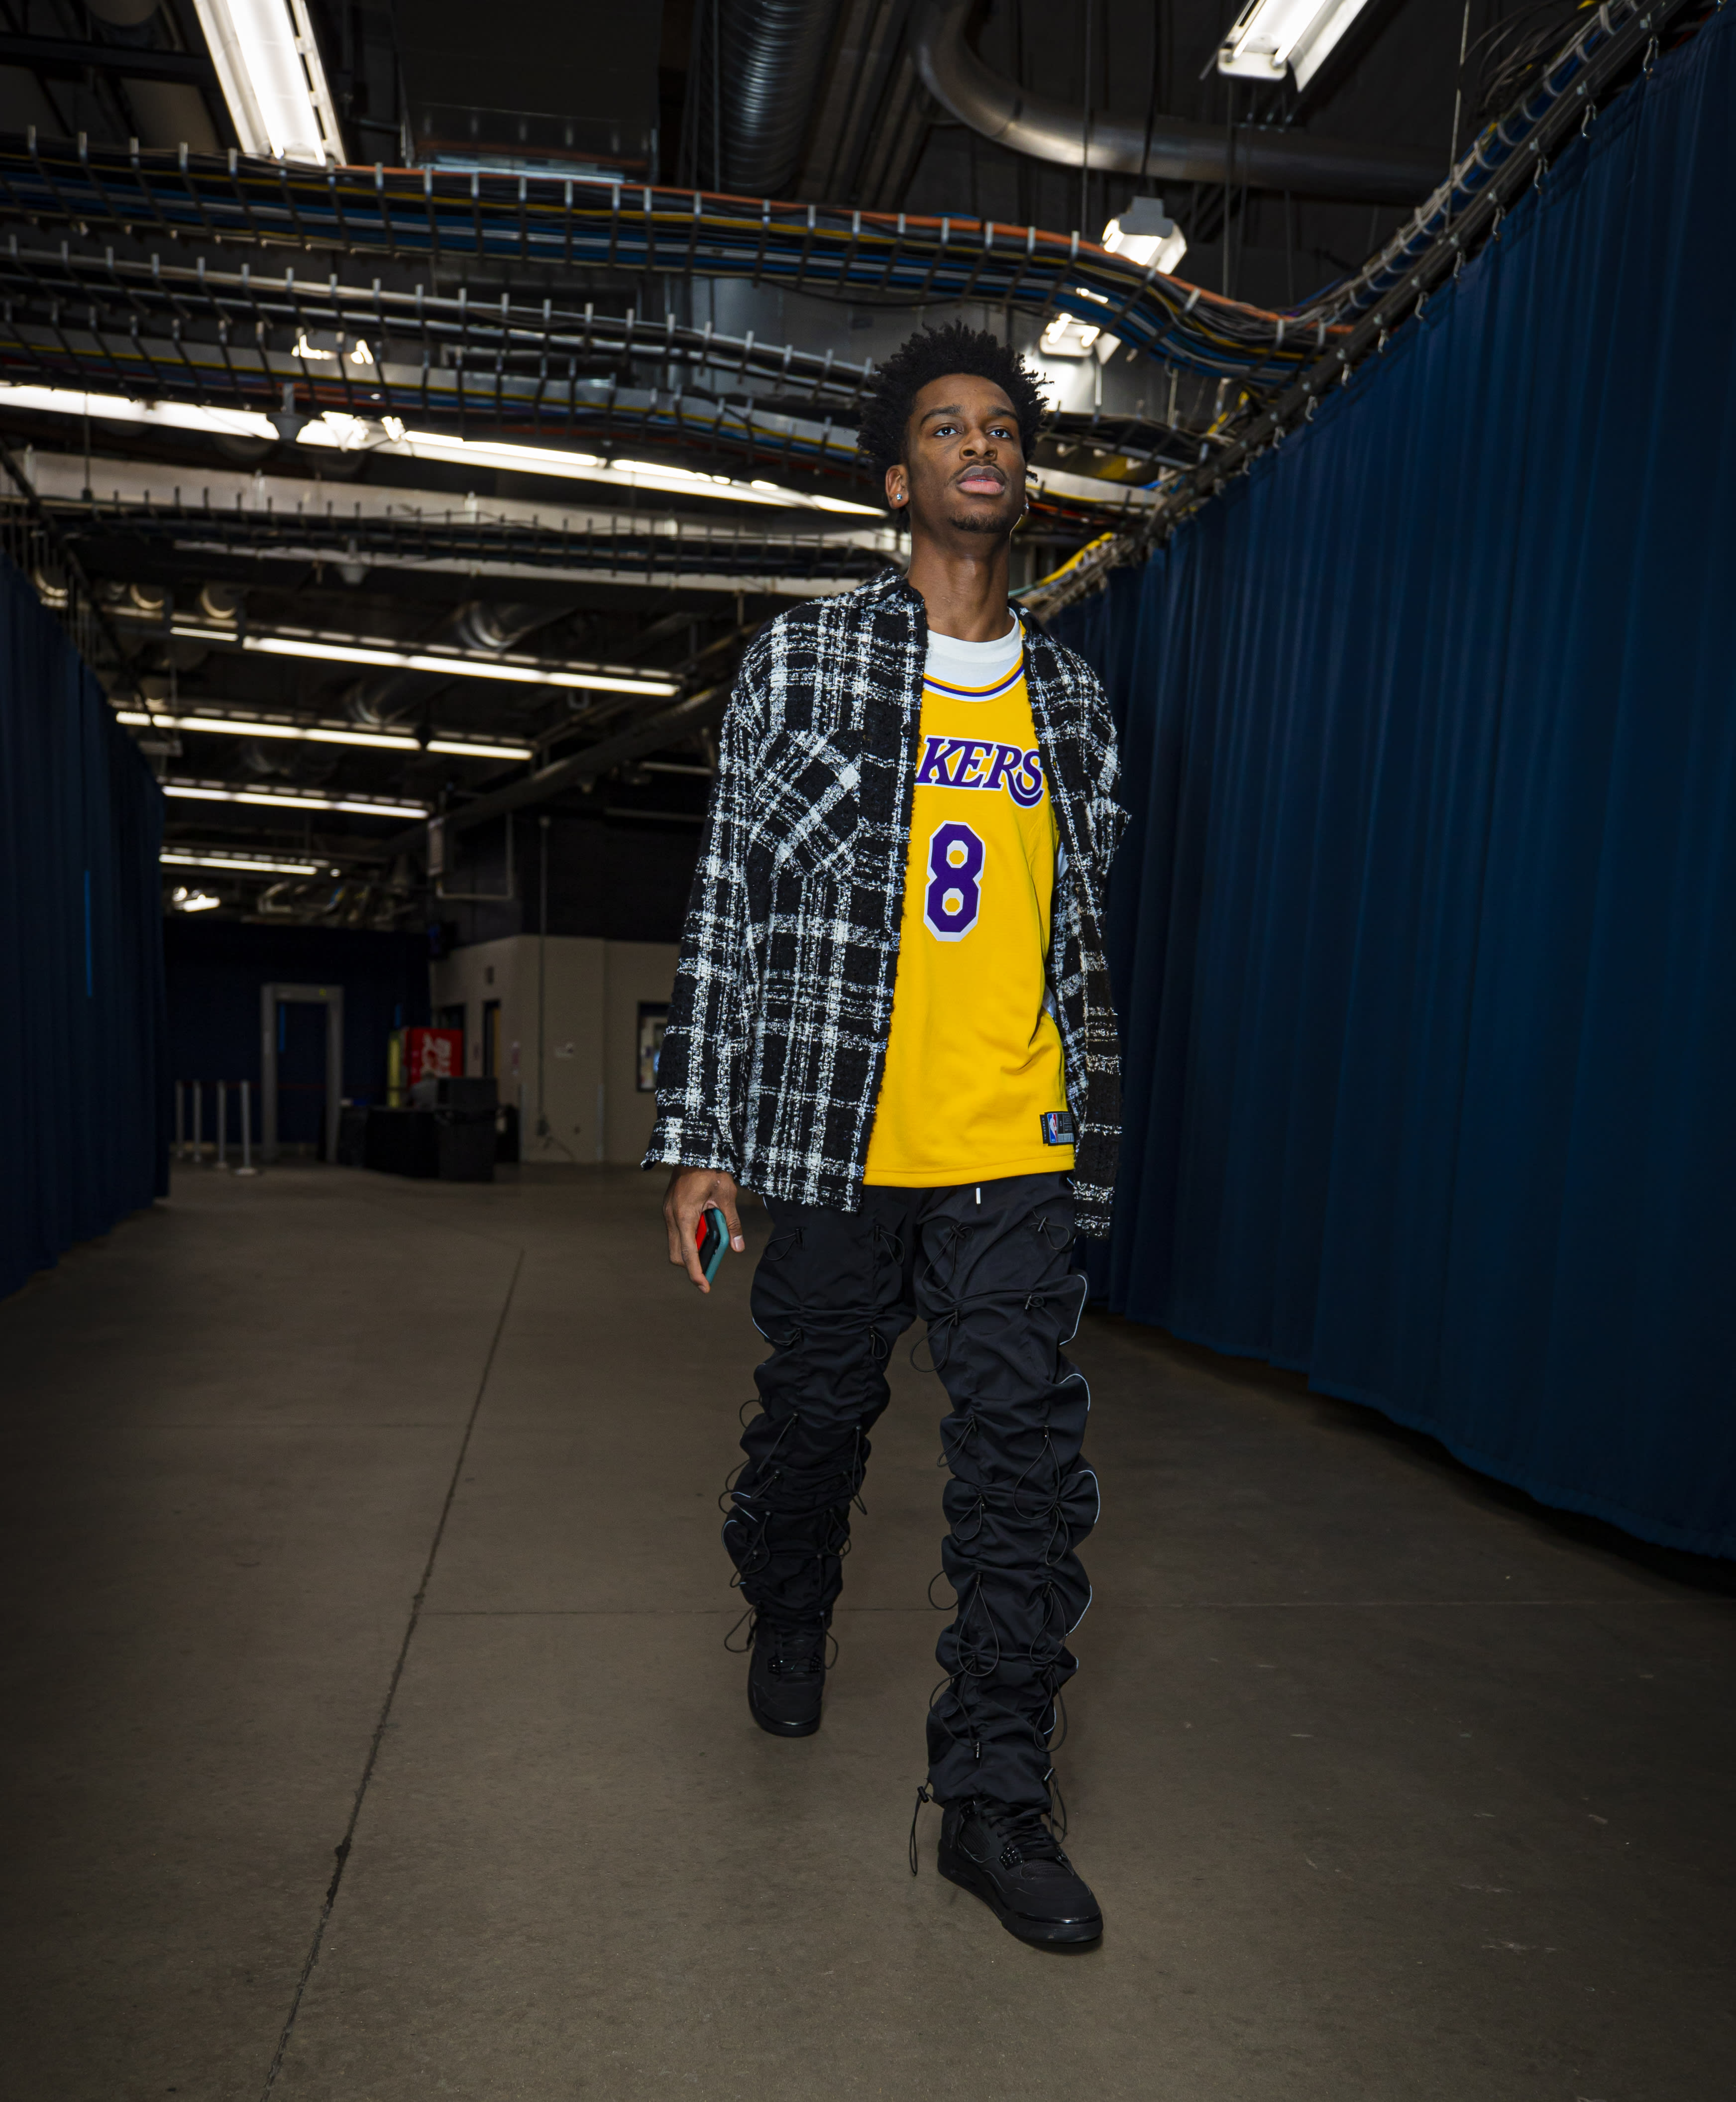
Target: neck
[(964, 590)]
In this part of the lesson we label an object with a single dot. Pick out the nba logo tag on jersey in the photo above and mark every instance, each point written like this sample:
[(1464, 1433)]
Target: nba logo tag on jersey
[(1057, 1127)]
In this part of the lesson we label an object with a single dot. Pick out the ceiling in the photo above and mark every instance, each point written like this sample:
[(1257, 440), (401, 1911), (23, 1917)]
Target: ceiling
[(284, 451)]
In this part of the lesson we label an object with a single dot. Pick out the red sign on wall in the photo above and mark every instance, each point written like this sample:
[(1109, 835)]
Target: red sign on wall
[(433, 1054)]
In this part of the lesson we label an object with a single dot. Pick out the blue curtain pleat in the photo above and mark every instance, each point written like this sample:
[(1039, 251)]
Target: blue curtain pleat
[(84, 1135), (1424, 931)]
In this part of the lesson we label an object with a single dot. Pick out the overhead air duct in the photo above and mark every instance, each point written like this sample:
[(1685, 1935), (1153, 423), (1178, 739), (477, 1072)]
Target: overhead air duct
[(1174, 150), (767, 62), (168, 113), (479, 628)]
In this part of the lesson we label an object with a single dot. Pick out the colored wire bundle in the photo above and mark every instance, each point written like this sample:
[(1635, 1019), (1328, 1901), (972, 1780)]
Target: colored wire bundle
[(1515, 133), (556, 225)]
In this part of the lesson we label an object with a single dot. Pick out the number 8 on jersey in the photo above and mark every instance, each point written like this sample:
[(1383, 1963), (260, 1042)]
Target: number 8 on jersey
[(955, 894)]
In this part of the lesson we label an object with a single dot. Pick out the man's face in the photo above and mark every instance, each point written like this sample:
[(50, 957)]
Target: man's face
[(964, 465)]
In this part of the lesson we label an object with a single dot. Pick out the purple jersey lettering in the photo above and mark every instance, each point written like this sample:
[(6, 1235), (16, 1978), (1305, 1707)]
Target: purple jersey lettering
[(936, 751), (959, 762), (969, 774), (1006, 755), (1025, 786)]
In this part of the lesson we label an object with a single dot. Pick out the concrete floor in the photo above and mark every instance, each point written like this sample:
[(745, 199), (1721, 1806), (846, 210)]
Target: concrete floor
[(351, 1521)]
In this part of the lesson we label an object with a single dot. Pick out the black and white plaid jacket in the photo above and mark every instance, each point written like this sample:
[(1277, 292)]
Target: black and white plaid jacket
[(783, 997)]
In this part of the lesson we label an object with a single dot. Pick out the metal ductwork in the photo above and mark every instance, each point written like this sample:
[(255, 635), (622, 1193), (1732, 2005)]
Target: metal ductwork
[(769, 60), (482, 629), (1177, 150)]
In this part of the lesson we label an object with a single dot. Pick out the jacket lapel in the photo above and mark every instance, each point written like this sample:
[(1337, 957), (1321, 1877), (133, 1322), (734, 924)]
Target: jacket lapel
[(1062, 761)]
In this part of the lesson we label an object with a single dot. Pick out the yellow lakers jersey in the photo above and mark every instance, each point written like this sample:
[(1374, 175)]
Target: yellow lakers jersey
[(975, 1082)]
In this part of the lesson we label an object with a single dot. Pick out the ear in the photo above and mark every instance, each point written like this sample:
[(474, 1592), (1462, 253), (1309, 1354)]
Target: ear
[(897, 487)]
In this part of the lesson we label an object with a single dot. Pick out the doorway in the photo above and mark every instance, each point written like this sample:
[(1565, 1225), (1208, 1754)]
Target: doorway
[(283, 1053)]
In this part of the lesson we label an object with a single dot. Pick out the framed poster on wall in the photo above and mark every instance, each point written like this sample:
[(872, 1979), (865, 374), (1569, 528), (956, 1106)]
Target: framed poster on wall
[(653, 1018)]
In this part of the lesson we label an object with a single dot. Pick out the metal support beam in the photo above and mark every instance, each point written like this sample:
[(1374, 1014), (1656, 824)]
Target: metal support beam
[(62, 57), (650, 734)]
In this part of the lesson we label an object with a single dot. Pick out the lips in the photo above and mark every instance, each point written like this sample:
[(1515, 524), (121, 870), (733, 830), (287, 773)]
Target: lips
[(982, 482)]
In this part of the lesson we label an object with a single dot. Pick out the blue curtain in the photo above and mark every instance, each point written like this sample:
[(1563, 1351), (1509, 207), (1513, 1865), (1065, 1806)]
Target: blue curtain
[(83, 1135), (1425, 934)]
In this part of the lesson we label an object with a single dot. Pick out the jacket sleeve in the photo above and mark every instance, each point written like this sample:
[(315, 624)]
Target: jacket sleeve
[(1108, 818), (702, 1068)]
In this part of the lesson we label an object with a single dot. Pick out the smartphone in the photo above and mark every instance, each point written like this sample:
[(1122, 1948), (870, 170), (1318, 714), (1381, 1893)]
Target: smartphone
[(714, 1241)]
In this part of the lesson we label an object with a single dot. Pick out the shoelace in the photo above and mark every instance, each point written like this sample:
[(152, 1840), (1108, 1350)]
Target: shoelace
[(1023, 1834), (796, 1656)]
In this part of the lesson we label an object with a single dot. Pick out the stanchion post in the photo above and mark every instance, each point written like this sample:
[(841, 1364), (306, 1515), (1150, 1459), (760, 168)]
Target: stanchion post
[(180, 1120), (246, 1166), (222, 1124), (198, 1120)]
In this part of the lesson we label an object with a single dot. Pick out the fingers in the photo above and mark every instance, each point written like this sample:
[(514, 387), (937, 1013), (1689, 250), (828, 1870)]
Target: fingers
[(683, 1208), (690, 1213), (692, 1192)]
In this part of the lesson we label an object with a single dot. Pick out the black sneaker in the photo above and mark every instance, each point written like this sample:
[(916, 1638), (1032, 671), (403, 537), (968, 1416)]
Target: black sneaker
[(786, 1679), (1012, 1860)]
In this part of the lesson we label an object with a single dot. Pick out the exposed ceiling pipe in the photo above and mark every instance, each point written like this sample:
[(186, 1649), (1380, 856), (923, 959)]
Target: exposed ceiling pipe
[(1178, 150), (483, 629), (770, 57)]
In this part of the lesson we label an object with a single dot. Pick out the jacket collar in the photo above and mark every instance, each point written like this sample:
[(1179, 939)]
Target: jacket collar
[(890, 587)]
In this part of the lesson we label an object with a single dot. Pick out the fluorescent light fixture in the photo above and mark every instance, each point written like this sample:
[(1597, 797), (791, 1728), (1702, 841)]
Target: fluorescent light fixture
[(323, 650), (1145, 234), (245, 726), (249, 864), (325, 344), (1270, 37), (340, 431), (500, 453), (457, 748), (272, 799), (120, 409), (194, 901), (324, 733), (267, 62), (1067, 337)]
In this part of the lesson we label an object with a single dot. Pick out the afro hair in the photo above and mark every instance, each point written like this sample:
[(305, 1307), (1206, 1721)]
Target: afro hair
[(931, 354)]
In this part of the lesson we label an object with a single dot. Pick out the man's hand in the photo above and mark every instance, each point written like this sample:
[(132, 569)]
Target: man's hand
[(692, 1192)]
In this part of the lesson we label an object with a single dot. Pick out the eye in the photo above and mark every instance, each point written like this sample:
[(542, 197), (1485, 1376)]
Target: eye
[(943, 430)]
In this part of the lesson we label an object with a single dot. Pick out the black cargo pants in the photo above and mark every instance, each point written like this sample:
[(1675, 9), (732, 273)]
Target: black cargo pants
[(986, 1267)]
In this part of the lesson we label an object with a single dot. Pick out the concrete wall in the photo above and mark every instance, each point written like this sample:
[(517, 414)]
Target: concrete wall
[(590, 994)]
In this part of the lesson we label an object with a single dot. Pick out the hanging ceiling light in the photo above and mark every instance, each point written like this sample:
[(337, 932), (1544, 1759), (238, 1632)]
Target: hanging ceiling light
[(1272, 37), (1146, 235), (1067, 337), (268, 66)]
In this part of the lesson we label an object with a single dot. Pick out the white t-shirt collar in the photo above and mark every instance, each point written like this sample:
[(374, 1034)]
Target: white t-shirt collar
[(975, 663)]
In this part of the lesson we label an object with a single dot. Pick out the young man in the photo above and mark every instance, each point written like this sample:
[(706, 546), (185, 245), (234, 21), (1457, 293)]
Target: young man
[(892, 1019)]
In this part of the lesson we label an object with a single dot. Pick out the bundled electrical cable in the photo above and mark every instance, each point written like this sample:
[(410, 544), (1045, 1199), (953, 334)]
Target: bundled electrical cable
[(237, 340), (554, 225), (1564, 78)]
